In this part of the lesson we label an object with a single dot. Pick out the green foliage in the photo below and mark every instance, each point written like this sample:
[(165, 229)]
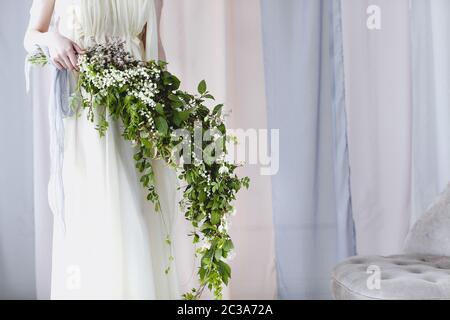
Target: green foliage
[(202, 87), (38, 58), (151, 107)]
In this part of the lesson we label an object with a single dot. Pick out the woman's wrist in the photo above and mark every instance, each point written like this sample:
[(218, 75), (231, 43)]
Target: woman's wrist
[(49, 37), (36, 38)]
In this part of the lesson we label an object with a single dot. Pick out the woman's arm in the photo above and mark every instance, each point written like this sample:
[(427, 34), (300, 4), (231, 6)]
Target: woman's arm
[(143, 35), (63, 52), (159, 7)]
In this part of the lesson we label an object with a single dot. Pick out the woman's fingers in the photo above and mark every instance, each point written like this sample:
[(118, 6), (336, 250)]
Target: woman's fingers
[(67, 62), (58, 64), (78, 49), (59, 59), (64, 51), (68, 58), (73, 59)]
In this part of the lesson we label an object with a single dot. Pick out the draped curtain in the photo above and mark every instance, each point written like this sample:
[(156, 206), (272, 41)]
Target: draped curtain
[(430, 40), (396, 85), (306, 100), (378, 89)]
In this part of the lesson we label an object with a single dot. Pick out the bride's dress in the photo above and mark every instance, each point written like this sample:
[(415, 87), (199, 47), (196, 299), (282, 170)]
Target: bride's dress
[(110, 243)]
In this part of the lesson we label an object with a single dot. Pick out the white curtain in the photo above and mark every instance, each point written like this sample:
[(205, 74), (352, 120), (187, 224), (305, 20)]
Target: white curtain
[(17, 276), (379, 109), (398, 94), (430, 39)]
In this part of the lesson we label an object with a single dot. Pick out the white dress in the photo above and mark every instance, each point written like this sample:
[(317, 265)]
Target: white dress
[(111, 244)]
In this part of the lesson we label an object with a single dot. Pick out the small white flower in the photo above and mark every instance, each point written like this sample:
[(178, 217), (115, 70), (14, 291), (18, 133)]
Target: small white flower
[(206, 245), (223, 169), (231, 256)]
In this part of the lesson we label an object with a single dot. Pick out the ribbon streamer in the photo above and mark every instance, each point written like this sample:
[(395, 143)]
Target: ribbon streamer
[(58, 109)]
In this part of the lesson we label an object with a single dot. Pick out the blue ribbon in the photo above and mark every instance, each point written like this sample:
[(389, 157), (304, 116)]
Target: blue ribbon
[(59, 109)]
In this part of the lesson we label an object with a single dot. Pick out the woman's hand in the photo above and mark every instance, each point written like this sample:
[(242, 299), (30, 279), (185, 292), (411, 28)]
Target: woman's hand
[(63, 52)]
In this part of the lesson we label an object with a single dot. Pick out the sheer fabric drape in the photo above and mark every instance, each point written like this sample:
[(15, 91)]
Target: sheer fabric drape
[(306, 101)]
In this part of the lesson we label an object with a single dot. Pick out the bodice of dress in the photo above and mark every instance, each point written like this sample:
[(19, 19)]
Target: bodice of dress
[(89, 22)]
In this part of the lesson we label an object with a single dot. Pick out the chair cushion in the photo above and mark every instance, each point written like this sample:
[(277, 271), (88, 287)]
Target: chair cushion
[(402, 277), (431, 233)]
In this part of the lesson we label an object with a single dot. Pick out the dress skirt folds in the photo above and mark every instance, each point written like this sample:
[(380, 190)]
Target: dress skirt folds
[(109, 243)]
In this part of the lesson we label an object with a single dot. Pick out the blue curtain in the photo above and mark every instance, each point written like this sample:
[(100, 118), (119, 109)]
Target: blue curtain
[(306, 101)]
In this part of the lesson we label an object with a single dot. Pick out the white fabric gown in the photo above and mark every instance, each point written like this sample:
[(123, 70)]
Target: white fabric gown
[(112, 244)]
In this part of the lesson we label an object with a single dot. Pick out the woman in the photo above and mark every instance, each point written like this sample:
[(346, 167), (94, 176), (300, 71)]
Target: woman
[(109, 242)]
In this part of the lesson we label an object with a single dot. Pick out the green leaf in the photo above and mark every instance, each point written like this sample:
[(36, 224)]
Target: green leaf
[(202, 273), (159, 108), (157, 205), (177, 104), (196, 238), (202, 196), (145, 180), (228, 245), (181, 116), (202, 87), (224, 270), (162, 126), (170, 80), (218, 109), (184, 115), (189, 296), (206, 261), (222, 129), (138, 156), (174, 98), (147, 143), (215, 218), (206, 226), (218, 254)]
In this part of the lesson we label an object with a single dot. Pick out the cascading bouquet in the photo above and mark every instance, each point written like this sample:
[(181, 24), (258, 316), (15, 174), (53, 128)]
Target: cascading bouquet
[(161, 121)]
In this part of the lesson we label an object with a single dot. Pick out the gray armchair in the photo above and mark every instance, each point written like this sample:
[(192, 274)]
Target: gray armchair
[(422, 271)]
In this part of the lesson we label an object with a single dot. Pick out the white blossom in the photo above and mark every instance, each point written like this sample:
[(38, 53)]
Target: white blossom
[(223, 169), (231, 256)]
